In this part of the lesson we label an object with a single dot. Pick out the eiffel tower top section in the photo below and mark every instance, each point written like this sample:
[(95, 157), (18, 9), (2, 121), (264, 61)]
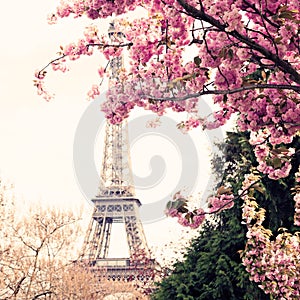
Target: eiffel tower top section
[(116, 63), (116, 179)]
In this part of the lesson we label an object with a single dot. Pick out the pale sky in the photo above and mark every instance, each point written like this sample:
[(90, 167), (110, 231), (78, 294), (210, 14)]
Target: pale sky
[(37, 137)]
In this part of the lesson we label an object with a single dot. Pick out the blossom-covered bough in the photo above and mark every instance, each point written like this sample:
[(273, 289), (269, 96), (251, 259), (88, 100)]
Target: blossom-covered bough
[(243, 54), (273, 263)]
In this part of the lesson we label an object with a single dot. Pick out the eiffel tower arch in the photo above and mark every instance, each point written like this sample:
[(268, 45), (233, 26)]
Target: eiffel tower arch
[(116, 202)]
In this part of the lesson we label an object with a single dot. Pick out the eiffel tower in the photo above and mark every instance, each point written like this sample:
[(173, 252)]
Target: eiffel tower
[(116, 201)]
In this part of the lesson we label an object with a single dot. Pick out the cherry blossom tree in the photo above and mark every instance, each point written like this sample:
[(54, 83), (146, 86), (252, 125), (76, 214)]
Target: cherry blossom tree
[(242, 55), (247, 58)]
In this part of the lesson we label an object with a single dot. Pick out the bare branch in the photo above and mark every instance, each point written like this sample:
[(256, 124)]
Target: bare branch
[(42, 294), (16, 291)]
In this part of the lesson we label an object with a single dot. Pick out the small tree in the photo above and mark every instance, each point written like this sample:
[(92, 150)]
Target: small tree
[(37, 248), (39, 253)]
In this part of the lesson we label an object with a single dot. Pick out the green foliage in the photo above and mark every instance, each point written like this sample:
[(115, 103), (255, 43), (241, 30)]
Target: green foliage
[(212, 267), (277, 197)]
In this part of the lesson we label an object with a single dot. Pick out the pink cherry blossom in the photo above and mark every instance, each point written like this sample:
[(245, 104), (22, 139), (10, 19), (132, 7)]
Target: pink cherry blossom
[(94, 92), (221, 202), (172, 212), (52, 19)]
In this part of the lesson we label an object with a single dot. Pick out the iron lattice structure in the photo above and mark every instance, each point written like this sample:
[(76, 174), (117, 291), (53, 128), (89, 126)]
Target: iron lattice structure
[(116, 202)]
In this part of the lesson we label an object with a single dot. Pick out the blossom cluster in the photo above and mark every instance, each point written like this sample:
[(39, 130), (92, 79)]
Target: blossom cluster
[(118, 105), (39, 84), (272, 263), (273, 161), (297, 198), (194, 218), (297, 209), (218, 203)]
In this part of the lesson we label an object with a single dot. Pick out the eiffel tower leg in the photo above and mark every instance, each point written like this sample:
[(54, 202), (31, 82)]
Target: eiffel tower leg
[(107, 235), (95, 241), (87, 239), (95, 237), (134, 241)]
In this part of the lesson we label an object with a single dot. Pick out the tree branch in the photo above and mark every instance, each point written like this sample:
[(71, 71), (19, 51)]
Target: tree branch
[(39, 75), (42, 294), (17, 289), (109, 45), (224, 92), (283, 65), (263, 16)]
